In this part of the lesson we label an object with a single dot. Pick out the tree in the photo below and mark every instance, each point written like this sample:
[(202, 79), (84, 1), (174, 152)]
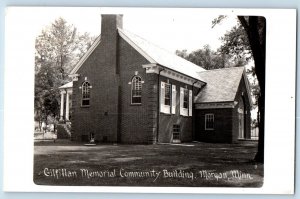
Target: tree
[(249, 38), (58, 49), (209, 59), (61, 45)]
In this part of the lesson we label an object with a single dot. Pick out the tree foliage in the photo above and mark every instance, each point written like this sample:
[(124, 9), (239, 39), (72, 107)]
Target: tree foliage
[(210, 59), (58, 49), (235, 43)]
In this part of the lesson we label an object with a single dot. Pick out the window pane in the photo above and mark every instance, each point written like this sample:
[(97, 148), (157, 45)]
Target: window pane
[(167, 94), (136, 100), (136, 90), (176, 132), (209, 121), (85, 94), (85, 102), (185, 98)]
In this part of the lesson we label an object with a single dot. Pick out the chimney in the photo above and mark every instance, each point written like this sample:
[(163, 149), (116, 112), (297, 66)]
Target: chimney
[(110, 40), (110, 23)]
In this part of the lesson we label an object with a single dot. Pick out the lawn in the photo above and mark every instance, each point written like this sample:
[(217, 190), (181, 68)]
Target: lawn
[(188, 164)]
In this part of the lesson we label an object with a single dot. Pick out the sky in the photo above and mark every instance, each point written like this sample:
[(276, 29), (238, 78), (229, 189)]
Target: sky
[(174, 29)]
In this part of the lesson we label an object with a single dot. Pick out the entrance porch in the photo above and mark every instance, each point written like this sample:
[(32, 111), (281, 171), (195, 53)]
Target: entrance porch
[(65, 102)]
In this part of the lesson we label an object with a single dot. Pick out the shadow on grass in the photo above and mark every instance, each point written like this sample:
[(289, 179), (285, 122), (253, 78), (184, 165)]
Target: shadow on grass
[(196, 164)]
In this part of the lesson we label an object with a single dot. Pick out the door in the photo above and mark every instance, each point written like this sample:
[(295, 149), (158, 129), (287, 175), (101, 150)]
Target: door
[(241, 118)]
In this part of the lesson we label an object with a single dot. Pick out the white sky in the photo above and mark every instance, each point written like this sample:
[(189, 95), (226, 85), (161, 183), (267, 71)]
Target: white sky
[(172, 30)]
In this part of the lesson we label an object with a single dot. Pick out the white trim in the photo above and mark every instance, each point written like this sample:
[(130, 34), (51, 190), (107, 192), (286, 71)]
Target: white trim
[(190, 105), (151, 68), (155, 68), (183, 111), (67, 85), (136, 47), (74, 77), (219, 105), (173, 100), (163, 108), (86, 55), (62, 105)]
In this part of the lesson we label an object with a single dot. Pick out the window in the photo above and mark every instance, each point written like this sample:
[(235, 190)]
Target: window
[(209, 121), (136, 90), (174, 93), (85, 94), (167, 94), (167, 98), (176, 133), (186, 102), (186, 98)]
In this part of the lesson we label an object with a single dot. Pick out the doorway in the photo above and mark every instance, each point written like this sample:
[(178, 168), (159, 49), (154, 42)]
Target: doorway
[(241, 119)]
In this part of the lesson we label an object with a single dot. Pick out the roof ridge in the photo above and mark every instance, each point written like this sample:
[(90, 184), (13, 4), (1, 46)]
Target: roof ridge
[(123, 31), (227, 68), (152, 43)]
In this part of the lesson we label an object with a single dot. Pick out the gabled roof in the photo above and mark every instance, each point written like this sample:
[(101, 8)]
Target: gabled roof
[(222, 85), (151, 52), (155, 54)]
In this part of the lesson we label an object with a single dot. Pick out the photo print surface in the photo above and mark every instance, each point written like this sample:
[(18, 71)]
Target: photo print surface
[(162, 101)]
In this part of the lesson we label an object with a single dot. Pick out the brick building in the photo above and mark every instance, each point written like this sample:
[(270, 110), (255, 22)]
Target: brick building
[(127, 90)]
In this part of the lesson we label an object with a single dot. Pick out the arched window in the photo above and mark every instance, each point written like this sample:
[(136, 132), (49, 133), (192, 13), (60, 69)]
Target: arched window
[(136, 90), (85, 94)]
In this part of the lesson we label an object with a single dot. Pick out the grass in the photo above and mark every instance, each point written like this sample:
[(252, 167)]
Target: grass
[(189, 165)]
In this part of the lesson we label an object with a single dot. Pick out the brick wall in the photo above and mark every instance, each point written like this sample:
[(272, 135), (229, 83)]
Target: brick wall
[(166, 121), (134, 118), (222, 126), (111, 116), (226, 121), (101, 117)]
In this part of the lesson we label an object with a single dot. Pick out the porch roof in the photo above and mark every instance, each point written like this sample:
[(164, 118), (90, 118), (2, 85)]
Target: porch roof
[(67, 85)]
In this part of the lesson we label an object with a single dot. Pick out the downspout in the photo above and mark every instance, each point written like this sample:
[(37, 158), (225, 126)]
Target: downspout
[(158, 103)]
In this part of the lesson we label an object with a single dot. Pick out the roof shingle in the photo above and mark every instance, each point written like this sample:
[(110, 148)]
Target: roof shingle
[(222, 85)]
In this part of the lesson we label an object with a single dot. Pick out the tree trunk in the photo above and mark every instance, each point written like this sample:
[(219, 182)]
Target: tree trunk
[(256, 32), (259, 157)]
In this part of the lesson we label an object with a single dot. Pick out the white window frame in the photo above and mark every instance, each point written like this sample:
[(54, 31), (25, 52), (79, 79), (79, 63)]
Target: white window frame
[(190, 105), (163, 107), (209, 116), (170, 94), (185, 111), (173, 99)]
